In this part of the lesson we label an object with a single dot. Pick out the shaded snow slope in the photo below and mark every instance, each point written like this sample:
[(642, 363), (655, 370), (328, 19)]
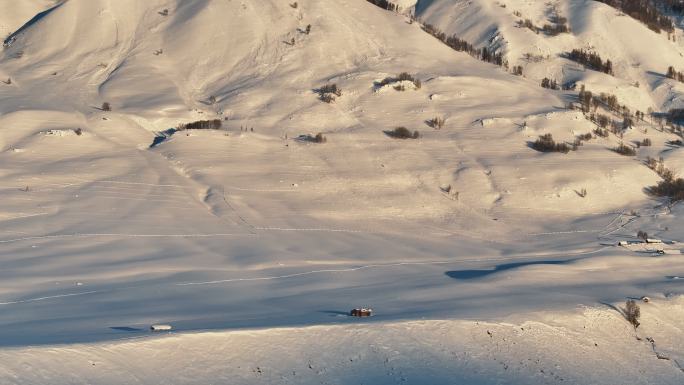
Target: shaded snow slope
[(591, 346), (103, 234), (14, 14)]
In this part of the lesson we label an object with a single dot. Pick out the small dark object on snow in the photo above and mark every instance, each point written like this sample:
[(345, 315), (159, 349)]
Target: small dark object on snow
[(362, 312)]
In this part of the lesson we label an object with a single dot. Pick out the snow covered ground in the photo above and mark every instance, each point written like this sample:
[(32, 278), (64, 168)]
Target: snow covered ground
[(103, 234), (587, 346)]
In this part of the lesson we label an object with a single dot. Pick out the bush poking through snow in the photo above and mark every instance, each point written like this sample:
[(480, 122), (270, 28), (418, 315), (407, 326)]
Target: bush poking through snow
[(646, 142), (78, 132), (331, 89), (201, 125), (402, 77), (436, 122), (402, 133), (328, 98), (550, 84), (632, 312), (602, 132), (318, 138), (659, 167), (642, 235), (582, 193), (517, 70), (625, 150), (328, 92), (106, 106), (545, 143), (671, 188)]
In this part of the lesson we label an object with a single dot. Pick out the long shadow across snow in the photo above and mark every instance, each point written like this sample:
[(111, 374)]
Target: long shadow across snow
[(472, 274)]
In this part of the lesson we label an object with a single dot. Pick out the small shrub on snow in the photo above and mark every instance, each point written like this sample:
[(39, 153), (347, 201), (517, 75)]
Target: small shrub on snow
[(517, 70), (545, 143), (402, 77), (625, 150), (328, 98), (402, 133), (201, 125), (106, 106), (330, 89), (318, 138), (632, 312), (328, 92), (550, 84), (436, 122), (671, 188), (602, 132)]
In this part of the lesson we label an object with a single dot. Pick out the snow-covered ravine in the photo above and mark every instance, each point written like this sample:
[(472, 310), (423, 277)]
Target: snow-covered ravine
[(585, 345)]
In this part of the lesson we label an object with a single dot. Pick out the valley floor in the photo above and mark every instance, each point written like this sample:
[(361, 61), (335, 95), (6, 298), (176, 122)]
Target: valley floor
[(591, 345)]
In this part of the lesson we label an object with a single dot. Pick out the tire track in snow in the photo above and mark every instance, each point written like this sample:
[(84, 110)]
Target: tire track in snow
[(312, 230), (116, 235), (50, 297)]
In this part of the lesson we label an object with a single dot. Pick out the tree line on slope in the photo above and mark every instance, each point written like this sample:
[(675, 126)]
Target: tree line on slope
[(646, 11), (461, 45), (558, 25), (384, 4), (591, 60), (674, 74)]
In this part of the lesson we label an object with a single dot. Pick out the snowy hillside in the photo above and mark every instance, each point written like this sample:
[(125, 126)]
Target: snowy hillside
[(639, 54), (229, 164)]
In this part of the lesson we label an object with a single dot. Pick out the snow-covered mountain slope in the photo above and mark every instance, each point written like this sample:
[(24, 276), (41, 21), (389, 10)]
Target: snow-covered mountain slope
[(14, 14), (639, 55), (114, 220)]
